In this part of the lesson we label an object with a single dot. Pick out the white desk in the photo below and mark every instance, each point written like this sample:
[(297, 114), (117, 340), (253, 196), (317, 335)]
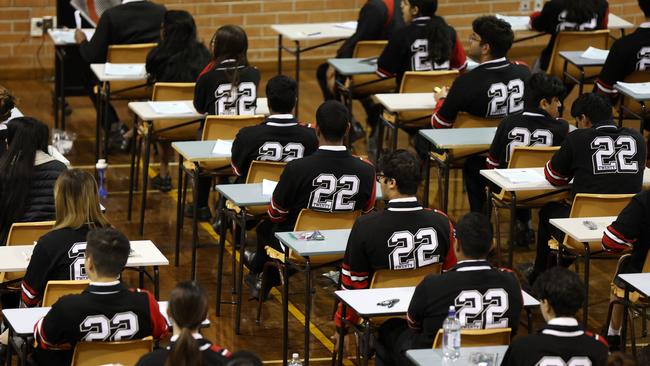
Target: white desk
[(326, 33), (99, 71), (576, 229), (633, 282), (407, 102), (354, 66), (640, 98), (430, 357), (616, 22), (65, 37), (581, 63)]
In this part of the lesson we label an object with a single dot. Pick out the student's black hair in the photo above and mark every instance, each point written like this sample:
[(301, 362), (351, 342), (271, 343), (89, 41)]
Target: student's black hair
[(474, 233), (645, 7), (178, 29), (244, 358), (230, 42), (562, 289), (495, 32), (281, 94), (188, 306), (542, 86), (580, 11), (595, 106), (404, 167), (7, 103), (333, 120), (25, 135), (109, 250), (438, 32)]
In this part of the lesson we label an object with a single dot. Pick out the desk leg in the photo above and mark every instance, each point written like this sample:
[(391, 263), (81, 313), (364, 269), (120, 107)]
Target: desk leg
[(297, 79), (339, 352), (156, 282), (179, 210), (427, 178), (585, 307), (61, 101), (626, 309), (107, 126), (380, 137), (582, 81), (445, 180), (513, 228), (141, 277), (222, 245), (564, 72), (132, 183), (285, 310), (195, 221), (307, 308), (98, 118), (529, 316), (23, 352), (240, 271), (145, 177), (279, 54), (367, 334)]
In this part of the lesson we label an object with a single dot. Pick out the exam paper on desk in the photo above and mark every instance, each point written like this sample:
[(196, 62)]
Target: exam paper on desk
[(170, 107), (268, 186), (222, 147), (595, 53), (521, 175)]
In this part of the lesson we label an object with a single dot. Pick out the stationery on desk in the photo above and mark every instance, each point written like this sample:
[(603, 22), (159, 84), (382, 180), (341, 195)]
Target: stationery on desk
[(521, 176), (66, 36), (124, 69), (595, 53), (176, 107), (222, 147), (347, 25), (268, 186)]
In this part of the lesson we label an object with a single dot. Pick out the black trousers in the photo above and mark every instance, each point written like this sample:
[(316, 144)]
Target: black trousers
[(394, 339), (266, 237), (90, 81), (551, 210)]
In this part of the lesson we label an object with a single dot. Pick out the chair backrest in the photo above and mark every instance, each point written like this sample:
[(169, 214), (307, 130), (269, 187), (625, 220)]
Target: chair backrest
[(531, 156), (129, 53), (423, 82), (260, 170), (173, 92), (575, 41), (466, 120), (317, 220), (27, 233), (56, 289), (226, 127), (128, 353), (386, 278), (366, 49), (479, 337)]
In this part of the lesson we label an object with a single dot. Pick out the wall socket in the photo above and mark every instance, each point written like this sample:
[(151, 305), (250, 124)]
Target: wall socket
[(524, 6), (38, 26)]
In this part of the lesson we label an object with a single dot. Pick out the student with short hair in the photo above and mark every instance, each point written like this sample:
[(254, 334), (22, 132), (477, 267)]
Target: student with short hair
[(60, 254), (187, 309), (280, 138), (562, 340), (106, 311), (495, 88), (472, 286)]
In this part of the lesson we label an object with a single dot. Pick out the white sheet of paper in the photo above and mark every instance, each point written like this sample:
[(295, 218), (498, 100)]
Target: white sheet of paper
[(636, 88), (347, 25), (521, 175), (170, 107), (57, 155), (222, 147), (124, 69), (595, 53), (268, 186), (515, 21), (67, 35), (77, 19)]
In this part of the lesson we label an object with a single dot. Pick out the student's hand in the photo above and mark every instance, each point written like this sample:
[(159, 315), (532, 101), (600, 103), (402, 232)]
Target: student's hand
[(79, 36), (441, 93)]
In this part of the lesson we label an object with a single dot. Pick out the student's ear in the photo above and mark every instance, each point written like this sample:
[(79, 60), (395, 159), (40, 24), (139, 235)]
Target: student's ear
[(317, 131), (544, 104), (485, 49), (415, 10)]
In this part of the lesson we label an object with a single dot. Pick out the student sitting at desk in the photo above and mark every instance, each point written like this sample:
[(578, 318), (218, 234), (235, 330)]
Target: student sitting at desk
[(280, 138), (106, 311), (426, 43), (567, 15), (403, 236), (132, 22), (539, 125), (600, 158), (472, 286), (562, 341), (227, 86), (187, 309), (495, 88), (59, 254), (178, 58), (329, 180), (628, 54)]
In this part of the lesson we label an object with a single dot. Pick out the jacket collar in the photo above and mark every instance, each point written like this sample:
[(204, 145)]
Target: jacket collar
[(281, 120), (42, 158), (420, 21), (471, 265), (105, 288), (563, 327), (536, 112), (404, 204)]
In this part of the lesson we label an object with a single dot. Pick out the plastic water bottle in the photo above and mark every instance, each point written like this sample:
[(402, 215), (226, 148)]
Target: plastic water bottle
[(451, 335), (101, 173), (295, 360)]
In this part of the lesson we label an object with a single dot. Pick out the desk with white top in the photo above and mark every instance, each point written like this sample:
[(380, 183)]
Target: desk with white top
[(625, 110), (402, 102), (639, 282), (581, 63), (327, 33), (452, 138), (430, 356)]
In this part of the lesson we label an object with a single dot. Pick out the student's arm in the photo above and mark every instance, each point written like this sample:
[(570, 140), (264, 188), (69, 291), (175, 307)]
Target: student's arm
[(95, 50), (370, 26), (201, 91), (497, 148), (36, 276), (53, 331), (159, 326), (447, 108), (614, 70), (283, 196), (391, 57), (355, 271), (417, 307), (624, 232), (558, 170), (239, 155)]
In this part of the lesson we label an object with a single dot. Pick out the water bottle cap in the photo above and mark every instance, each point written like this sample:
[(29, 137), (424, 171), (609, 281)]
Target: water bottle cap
[(101, 164), (452, 310), (295, 355)]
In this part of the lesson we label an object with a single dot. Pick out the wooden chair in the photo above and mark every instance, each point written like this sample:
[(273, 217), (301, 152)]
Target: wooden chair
[(590, 205), (54, 290), (129, 54), (479, 337), (364, 85), (524, 157), (24, 233), (387, 278), (258, 171), (576, 41), (128, 353)]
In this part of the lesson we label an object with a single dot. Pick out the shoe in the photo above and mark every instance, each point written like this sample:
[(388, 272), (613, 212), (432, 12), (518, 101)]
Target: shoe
[(254, 282), (249, 257), (204, 212), (125, 145), (162, 184), (527, 270), (524, 235), (614, 342)]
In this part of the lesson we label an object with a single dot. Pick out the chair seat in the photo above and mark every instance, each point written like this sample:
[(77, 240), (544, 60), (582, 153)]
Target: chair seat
[(298, 260), (635, 297)]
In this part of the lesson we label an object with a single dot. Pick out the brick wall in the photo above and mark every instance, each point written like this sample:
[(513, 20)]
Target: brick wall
[(22, 56)]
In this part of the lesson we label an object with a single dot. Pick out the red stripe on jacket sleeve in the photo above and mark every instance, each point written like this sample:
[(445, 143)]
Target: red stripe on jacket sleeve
[(554, 177), (159, 327), (437, 121), (613, 241)]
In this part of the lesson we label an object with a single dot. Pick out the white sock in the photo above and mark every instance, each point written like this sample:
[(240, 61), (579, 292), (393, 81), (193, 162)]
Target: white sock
[(613, 332)]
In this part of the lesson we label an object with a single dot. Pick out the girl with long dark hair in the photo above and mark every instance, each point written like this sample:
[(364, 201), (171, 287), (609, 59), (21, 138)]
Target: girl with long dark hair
[(188, 308), (27, 175), (426, 43)]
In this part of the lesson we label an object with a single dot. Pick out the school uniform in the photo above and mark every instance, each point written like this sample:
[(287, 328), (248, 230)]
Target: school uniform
[(211, 354), (215, 95)]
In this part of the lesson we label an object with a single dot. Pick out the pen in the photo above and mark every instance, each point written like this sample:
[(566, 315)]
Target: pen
[(312, 34)]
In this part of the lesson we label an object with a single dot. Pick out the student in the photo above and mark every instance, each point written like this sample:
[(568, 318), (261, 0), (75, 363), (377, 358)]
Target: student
[(495, 88), (244, 358), (7, 104), (27, 175), (187, 309), (179, 57), (630, 230), (134, 21), (600, 158), (426, 43), (106, 311), (538, 125), (425, 236), (329, 180), (567, 15), (59, 254), (472, 286), (280, 138), (628, 54), (378, 20), (227, 86), (562, 341)]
